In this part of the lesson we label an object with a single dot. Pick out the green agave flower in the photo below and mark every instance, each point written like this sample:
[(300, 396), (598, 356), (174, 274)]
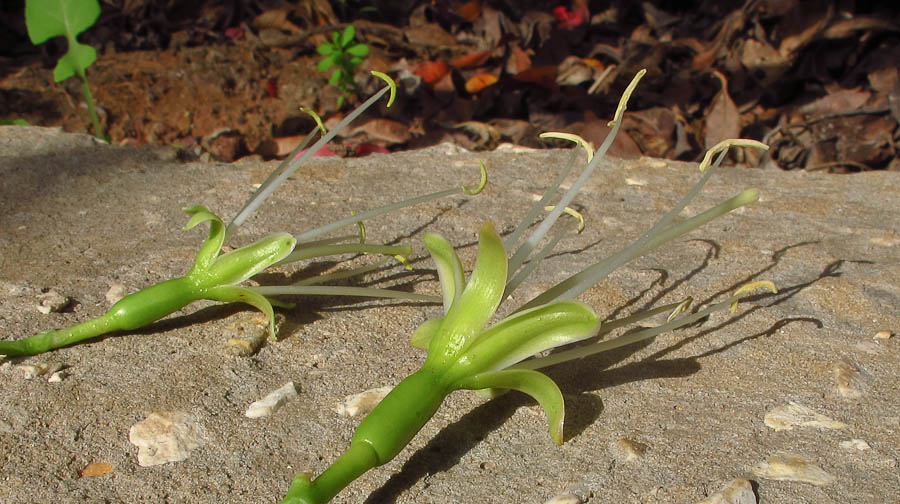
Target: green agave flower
[(464, 353)]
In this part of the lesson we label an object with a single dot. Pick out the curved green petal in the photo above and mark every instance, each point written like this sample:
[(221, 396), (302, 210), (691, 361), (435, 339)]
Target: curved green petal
[(241, 264), (524, 334), (425, 332), (536, 384), (213, 244), (449, 268), (475, 306), (233, 294)]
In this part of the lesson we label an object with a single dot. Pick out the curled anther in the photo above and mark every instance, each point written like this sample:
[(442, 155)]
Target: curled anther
[(623, 101), (404, 261), (574, 213), (752, 286), (681, 308), (390, 82), (310, 112), (572, 138), (725, 145), (472, 191)]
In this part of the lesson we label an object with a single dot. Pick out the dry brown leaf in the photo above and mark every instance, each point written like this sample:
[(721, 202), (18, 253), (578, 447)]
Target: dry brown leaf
[(723, 121), (518, 60), (387, 130), (275, 18), (96, 469), (845, 100), (803, 25)]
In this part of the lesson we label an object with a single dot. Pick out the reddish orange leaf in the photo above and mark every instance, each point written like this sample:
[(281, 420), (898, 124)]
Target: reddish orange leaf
[(471, 59), (96, 469), (470, 11), (479, 82), (432, 71), (543, 76), (594, 63)]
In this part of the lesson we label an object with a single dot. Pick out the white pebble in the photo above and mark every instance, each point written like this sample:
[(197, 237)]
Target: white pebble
[(58, 376), (566, 498), (738, 491), (272, 402), (883, 335), (116, 292), (850, 379), (626, 450), (788, 416), (857, 444), (787, 466), (167, 436), (51, 302), (362, 402)]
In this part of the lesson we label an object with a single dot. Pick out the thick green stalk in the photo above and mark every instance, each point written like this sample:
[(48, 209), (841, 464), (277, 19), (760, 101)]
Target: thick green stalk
[(379, 438), (131, 312)]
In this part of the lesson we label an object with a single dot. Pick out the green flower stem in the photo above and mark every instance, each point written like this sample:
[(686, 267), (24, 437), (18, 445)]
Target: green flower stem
[(379, 437), (131, 312)]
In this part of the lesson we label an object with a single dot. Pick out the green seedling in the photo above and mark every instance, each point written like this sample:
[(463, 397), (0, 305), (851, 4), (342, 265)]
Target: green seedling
[(463, 353), (216, 276), (13, 122), (46, 19), (343, 52)]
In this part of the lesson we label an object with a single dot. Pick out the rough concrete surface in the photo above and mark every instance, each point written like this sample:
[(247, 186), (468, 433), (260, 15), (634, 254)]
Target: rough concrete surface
[(670, 420)]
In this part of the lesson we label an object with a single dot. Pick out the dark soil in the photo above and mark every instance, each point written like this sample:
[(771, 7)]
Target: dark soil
[(818, 81)]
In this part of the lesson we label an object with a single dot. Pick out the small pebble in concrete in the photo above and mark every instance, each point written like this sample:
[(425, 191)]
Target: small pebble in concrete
[(31, 371), (855, 444), (626, 450), (788, 416), (883, 335), (566, 498), (49, 369), (737, 491), (116, 292), (362, 402), (272, 402), (58, 376), (787, 466), (96, 469), (850, 379), (166, 436), (52, 302), (247, 334)]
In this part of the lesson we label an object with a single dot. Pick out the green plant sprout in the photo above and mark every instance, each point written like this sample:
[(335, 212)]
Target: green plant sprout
[(342, 52), (216, 275), (46, 19), (464, 354)]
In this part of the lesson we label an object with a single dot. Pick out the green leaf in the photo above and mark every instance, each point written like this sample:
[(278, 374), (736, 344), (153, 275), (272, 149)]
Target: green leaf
[(13, 122), (325, 49), (336, 39), (335, 76), (347, 36), (536, 384), (325, 63), (360, 50), (355, 61), (52, 18)]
